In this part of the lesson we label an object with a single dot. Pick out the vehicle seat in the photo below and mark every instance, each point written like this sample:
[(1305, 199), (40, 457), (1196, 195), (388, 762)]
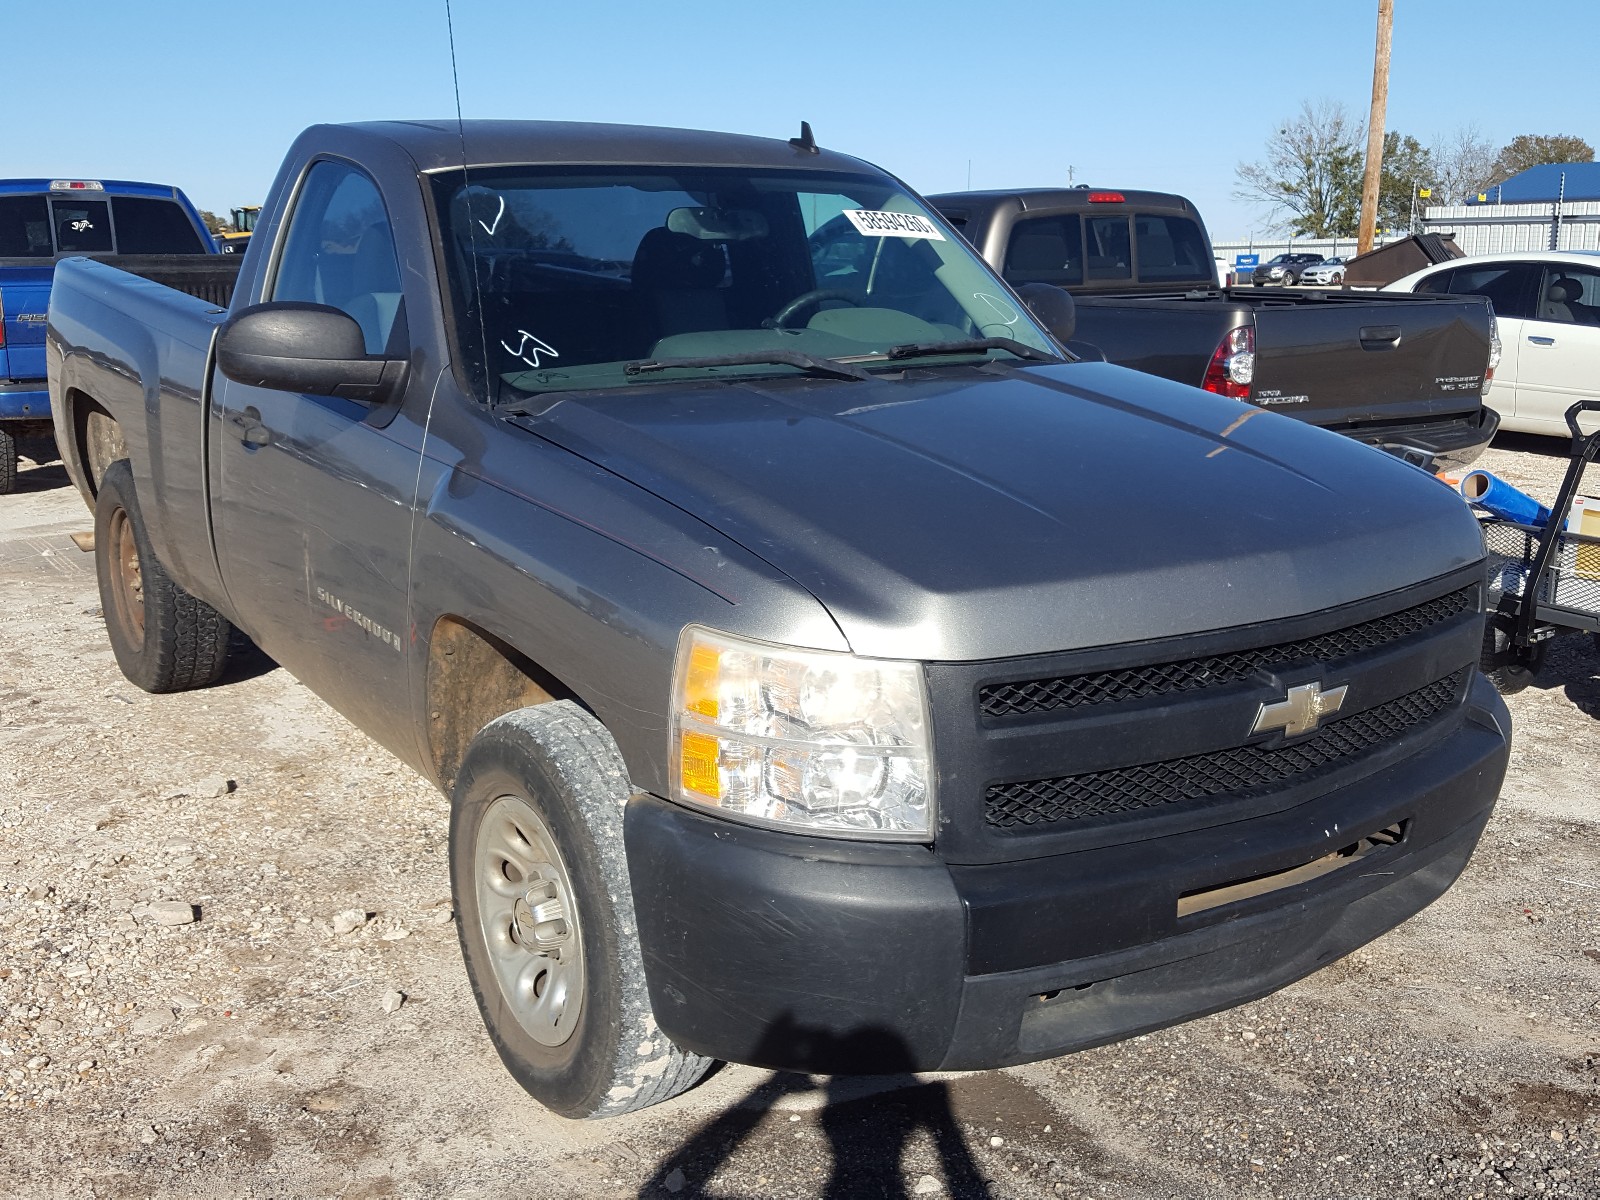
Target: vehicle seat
[(675, 282), (374, 297), (1158, 251), (1559, 303)]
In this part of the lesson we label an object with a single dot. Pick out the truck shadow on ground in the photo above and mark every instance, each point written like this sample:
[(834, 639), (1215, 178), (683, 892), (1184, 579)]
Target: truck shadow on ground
[(246, 660), (41, 479), (868, 1122), (1573, 666)]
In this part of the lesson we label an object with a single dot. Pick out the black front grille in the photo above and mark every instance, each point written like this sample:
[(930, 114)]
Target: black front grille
[(1002, 700), (1206, 776)]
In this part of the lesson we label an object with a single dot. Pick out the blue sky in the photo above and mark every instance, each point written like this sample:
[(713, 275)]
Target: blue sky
[(1156, 94)]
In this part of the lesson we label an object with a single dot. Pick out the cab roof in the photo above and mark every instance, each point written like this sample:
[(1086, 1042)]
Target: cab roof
[(440, 145)]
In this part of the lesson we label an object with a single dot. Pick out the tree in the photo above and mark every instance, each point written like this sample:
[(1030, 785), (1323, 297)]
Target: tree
[(215, 223), (1311, 172), (1534, 149), (1463, 162), (1407, 168)]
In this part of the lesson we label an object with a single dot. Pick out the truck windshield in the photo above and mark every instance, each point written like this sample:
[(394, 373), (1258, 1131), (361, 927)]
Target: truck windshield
[(562, 279), (42, 226)]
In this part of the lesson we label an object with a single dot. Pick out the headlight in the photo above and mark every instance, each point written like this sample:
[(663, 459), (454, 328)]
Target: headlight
[(804, 739)]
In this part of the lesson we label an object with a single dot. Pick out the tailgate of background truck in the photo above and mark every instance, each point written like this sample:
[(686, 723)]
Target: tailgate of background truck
[(1344, 359), (24, 299)]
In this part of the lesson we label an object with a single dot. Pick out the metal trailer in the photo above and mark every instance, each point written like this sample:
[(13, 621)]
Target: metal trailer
[(1564, 562)]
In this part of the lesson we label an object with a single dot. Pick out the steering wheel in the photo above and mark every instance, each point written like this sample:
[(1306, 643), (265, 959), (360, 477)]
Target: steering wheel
[(781, 318)]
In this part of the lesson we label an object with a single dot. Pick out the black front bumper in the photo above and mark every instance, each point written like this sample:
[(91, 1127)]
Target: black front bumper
[(804, 953)]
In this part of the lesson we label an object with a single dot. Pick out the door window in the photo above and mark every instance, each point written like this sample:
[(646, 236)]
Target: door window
[(340, 252), (1509, 286), (1570, 295)]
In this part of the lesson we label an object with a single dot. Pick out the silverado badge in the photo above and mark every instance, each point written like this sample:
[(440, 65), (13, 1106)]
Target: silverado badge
[(1302, 710)]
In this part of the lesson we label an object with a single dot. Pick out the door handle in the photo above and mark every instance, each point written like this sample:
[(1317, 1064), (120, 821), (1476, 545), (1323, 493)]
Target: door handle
[(251, 431), (1541, 341), (1380, 337)]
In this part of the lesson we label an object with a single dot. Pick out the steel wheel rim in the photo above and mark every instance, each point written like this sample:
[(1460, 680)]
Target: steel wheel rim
[(127, 579), (528, 915)]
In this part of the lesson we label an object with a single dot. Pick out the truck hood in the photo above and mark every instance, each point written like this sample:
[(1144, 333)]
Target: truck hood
[(989, 512)]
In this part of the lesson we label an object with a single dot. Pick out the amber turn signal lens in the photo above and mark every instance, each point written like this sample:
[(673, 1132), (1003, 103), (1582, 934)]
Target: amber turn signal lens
[(699, 756)]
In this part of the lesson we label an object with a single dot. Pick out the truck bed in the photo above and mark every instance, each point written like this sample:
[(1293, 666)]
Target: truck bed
[(1336, 359), (160, 313), (1409, 379)]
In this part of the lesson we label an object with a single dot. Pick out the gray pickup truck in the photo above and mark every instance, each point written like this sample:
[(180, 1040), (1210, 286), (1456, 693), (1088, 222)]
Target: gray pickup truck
[(1408, 378), (827, 677)]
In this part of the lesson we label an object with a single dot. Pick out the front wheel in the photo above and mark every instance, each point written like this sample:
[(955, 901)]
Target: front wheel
[(540, 881)]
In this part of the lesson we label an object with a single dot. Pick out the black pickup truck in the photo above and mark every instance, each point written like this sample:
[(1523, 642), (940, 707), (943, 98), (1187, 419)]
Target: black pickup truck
[(834, 677), (1408, 378)]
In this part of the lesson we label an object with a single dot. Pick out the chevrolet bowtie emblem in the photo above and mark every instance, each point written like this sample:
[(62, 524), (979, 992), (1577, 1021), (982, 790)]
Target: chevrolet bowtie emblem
[(1305, 706)]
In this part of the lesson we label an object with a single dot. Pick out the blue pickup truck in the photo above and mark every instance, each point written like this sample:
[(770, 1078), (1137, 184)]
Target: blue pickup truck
[(42, 220)]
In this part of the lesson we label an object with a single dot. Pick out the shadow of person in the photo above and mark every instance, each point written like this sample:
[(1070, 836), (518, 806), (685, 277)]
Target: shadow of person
[(869, 1120)]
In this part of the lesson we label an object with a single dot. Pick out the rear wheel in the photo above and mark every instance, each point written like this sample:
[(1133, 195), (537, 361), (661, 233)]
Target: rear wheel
[(540, 881), (164, 639), (103, 444), (8, 462), (1510, 667)]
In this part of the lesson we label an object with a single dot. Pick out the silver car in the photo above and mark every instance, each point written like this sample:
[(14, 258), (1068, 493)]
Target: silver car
[(1327, 273)]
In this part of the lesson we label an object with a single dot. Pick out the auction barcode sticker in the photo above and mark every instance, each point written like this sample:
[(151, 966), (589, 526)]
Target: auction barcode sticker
[(877, 223)]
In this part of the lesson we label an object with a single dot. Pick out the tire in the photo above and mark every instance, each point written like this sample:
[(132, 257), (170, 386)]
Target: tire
[(8, 462), (1509, 668), (164, 639), (1288, 279), (103, 444), (555, 967)]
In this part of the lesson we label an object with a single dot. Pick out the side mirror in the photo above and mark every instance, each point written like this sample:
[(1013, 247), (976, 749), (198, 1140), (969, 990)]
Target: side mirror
[(290, 346), (1053, 307)]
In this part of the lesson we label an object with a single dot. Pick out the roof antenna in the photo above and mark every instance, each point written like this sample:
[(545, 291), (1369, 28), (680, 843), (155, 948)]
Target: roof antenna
[(466, 184), (805, 141)]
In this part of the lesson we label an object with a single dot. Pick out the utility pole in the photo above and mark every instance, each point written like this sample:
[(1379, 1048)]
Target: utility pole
[(1380, 105)]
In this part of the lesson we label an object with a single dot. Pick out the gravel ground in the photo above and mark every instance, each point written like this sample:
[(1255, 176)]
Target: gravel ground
[(228, 967)]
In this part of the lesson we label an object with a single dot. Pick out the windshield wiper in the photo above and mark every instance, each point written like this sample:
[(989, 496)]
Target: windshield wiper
[(812, 364), (972, 346)]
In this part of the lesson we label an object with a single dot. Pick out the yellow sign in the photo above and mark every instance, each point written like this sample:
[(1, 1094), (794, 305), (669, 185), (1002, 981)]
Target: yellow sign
[(1426, 193), (1482, 197)]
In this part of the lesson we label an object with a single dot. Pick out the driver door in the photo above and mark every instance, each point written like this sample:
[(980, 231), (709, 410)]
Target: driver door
[(315, 493)]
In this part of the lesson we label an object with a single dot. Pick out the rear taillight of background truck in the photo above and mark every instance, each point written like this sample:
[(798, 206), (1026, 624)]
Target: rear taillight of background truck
[(1233, 365)]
